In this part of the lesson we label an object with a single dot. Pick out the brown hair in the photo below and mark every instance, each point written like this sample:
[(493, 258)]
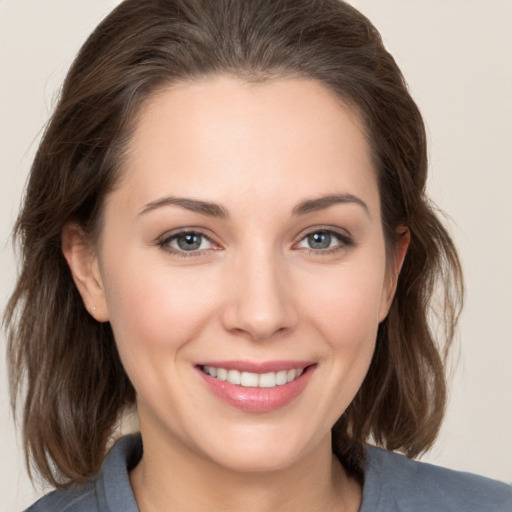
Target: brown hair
[(65, 365)]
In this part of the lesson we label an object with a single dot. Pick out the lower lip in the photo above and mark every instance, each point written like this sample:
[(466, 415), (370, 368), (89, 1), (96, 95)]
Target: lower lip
[(258, 399)]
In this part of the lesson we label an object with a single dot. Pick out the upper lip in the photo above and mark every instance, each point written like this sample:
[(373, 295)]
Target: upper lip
[(258, 367)]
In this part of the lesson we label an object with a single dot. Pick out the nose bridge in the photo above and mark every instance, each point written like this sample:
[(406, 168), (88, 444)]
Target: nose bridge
[(260, 303)]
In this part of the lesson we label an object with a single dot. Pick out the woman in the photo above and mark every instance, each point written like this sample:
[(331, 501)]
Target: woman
[(226, 225)]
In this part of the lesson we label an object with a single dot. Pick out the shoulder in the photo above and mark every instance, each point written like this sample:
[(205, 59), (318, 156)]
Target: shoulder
[(396, 483), (108, 491), (70, 499)]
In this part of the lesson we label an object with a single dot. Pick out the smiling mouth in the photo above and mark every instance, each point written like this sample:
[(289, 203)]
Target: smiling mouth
[(253, 380)]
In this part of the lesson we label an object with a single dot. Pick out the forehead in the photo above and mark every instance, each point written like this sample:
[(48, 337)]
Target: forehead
[(220, 135)]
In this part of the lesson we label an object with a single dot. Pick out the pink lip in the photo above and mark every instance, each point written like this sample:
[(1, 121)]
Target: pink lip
[(258, 399)]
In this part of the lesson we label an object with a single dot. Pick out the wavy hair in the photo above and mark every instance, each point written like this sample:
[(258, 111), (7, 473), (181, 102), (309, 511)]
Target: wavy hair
[(65, 373)]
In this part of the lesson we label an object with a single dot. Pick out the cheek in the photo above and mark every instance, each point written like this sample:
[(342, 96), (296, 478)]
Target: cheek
[(344, 309), (155, 312), (340, 311), (349, 324), (154, 307), (347, 303)]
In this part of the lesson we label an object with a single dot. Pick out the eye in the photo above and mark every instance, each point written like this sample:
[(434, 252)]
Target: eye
[(186, 241), (324, 240)]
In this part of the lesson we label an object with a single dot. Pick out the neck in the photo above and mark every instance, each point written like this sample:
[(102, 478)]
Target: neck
[(171, 477)]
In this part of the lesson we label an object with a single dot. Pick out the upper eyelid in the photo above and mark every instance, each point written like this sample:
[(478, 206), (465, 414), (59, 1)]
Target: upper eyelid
[(169, 235), (340, 232), (164, 242)]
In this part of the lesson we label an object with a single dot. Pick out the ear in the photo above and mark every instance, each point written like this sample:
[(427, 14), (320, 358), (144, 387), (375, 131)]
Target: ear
[(403, 238), (83, 263)]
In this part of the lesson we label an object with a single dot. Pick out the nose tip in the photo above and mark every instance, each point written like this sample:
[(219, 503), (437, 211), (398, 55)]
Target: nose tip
[(260, 305), (260, 327)]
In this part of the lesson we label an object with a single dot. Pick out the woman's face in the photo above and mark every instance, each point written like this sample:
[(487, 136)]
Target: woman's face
[(242, 267)]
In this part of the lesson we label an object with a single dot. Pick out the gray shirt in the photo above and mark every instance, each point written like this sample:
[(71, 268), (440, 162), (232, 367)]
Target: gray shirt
[(392, 483)]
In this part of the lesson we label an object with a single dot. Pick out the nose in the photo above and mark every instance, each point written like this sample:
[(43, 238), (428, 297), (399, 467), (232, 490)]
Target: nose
[(260, 300)]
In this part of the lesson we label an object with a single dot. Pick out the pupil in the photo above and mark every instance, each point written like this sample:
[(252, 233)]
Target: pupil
[(319, 240), (189, 242)]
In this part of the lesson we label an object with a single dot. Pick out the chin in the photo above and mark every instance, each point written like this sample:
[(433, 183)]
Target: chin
[(252, 461), (263, 452)]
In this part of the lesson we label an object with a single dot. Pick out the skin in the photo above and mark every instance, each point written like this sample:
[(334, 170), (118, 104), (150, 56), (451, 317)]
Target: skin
[(254, 290)]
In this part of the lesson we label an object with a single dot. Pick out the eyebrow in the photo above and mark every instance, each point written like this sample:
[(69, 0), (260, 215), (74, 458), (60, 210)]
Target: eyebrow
[(320, 203), (194, 205), (218, 211)]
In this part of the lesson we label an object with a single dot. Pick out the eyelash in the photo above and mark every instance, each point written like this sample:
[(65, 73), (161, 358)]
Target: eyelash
[(345, 241), (164, 244)]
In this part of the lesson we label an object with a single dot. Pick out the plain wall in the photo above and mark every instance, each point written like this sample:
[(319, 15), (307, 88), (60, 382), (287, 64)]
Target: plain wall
[(457, 57)]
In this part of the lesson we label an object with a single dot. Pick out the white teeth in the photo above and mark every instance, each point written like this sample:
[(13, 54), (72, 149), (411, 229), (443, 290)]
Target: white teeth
[(267, 380), (249, 379), (253, 380), (234, 376), (281, 377), (211, 370)]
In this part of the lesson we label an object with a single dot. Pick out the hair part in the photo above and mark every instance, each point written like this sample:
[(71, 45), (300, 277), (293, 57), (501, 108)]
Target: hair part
[(64, 366)]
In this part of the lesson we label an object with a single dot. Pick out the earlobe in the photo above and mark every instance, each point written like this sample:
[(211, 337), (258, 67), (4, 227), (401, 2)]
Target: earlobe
[(403, 238), (83, 263)]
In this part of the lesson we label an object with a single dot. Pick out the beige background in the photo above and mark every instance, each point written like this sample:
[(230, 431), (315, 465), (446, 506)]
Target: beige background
[(457, 58)]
